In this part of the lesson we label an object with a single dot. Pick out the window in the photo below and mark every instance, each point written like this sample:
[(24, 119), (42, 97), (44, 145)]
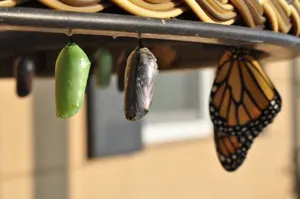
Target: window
[(108, 132), (179, 111), (180, 107)]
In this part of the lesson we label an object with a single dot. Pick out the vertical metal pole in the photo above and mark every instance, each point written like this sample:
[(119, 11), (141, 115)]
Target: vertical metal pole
[(295, 127)]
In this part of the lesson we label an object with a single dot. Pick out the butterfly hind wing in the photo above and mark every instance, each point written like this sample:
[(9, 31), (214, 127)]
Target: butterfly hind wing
[(231, 150)]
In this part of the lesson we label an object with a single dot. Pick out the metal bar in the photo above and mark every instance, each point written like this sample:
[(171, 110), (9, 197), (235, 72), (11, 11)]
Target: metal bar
[(43, 20)]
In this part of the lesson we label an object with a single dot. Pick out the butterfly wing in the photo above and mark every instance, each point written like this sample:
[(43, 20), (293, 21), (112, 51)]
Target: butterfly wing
[(231, 150), (243, 102)]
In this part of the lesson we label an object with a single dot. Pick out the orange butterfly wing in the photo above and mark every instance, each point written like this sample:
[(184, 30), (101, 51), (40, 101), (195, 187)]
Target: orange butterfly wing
[(243, 101), (231, 150)]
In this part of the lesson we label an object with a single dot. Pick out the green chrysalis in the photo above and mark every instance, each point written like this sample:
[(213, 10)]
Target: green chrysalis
[(71, 73), (103, 67)]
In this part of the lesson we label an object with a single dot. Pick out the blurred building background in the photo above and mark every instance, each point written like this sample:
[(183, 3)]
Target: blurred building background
[(169, 155)]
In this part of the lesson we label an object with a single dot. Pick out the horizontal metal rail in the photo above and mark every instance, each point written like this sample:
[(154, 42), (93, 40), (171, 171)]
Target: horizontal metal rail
[(45, 20)]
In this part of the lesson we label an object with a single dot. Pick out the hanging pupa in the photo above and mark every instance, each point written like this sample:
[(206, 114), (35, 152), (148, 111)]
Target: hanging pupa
[(71, 74), (103, 67), (140, 76), (24, 73)]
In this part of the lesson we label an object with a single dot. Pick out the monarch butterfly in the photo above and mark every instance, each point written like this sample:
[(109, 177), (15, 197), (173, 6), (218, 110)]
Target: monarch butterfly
[(71, 74), (140, 76), (24, 72), (243, 101)]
